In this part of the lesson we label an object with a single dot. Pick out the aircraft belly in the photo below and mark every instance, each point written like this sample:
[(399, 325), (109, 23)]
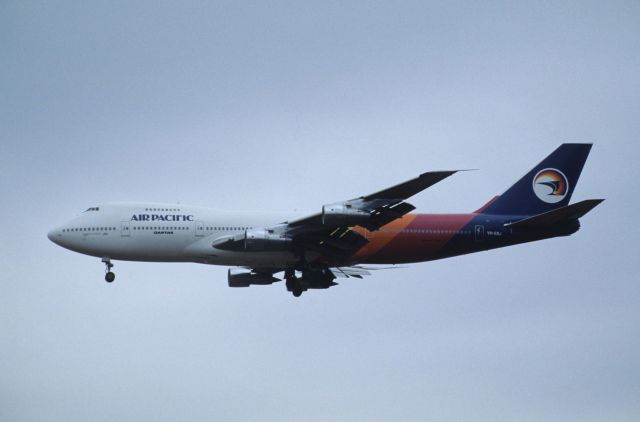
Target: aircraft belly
[(248, 259), (137, 248)]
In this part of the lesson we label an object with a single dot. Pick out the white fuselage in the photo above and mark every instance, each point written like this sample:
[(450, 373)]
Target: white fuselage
[(167, 233)]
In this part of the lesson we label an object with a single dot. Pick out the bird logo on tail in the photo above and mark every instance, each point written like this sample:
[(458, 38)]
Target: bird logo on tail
[(550, 185)]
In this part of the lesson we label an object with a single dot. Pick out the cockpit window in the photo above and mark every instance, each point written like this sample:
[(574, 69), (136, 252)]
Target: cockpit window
[(93, 209)]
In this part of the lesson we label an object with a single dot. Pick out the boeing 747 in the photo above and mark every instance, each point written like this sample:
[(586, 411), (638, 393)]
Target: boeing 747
[(342, 239)]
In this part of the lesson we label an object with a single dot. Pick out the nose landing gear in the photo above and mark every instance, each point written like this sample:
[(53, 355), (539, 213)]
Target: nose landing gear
[(109, 276)]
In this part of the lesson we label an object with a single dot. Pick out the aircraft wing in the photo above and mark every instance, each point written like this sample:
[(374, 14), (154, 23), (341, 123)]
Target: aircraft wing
[(377, 209), (330, 231)]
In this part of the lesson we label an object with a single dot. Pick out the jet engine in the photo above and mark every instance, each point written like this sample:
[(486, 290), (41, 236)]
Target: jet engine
[(240, 277), (262, 240), (343, 214)]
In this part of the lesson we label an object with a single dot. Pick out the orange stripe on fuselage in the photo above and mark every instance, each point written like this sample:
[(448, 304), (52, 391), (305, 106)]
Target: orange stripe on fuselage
[(379, 239), (412, 238)]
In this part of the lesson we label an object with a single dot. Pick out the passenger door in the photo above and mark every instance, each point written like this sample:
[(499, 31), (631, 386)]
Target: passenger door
[(125, 229), (199, 229), (479, 233)]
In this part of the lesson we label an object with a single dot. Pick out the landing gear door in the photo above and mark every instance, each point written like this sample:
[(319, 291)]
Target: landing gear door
[(125, 229), (479, 233), (199, 229)]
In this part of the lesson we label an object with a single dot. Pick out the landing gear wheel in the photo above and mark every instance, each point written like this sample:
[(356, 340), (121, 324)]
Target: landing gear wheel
[(297, 292), (109, 276)]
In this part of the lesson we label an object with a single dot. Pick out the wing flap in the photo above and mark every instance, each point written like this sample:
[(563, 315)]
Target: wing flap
[(358, 271), (347, 272)]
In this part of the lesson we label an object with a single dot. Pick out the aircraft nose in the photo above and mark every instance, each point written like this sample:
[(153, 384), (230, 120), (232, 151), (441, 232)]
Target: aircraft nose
[(52, 235)]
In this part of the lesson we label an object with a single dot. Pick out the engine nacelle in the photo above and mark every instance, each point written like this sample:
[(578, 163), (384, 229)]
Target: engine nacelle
[(239, 277), (343, 214), (262, 240)]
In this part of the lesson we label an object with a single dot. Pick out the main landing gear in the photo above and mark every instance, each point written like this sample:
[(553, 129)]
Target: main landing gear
[(293, 283), (312, 278), (109, 276)]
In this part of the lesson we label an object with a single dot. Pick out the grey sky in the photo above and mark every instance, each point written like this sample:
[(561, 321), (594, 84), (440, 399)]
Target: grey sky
[(289, 105)]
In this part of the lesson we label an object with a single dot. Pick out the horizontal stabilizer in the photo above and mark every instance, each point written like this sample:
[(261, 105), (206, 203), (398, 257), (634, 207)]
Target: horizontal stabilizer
[(559, 215)]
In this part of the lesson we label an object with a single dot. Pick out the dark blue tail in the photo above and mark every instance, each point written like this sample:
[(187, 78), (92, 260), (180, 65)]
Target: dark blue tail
[(547, 186)]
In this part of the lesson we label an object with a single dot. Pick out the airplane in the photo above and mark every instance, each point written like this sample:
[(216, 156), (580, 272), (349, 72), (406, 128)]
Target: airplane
[(344, 239)]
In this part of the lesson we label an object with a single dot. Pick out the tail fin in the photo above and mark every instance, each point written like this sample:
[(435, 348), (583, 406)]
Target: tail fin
[(547, 186)]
